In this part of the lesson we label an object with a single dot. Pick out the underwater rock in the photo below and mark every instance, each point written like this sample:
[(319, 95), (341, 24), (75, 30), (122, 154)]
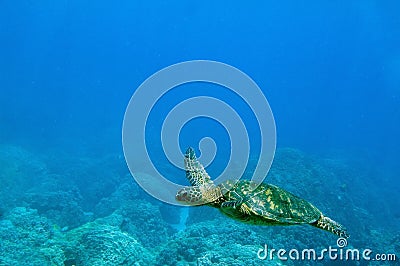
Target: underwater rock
[(61, 207), (96, 178), (96, 243), (18, 167), (143, 220), (217, 242), (29, 239), (124, 194)]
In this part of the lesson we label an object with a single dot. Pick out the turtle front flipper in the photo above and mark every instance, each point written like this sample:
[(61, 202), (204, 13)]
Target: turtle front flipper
[(238, 210), (232, 204), (330, 225), (195, 172), (233, 209), (235, 204)]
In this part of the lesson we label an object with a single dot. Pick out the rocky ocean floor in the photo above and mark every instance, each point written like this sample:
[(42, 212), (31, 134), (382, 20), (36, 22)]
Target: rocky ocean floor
[(62, 210)]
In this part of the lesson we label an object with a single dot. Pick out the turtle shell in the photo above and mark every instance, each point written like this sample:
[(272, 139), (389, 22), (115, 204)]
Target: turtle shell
[(268, 204)]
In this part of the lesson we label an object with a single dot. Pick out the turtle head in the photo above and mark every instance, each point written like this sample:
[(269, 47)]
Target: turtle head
[(198, 195), (190, 196)]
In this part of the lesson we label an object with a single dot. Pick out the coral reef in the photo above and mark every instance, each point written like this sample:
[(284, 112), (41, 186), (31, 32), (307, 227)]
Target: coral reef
[(143, 220), (62, 207), (60, 210), (20, 170), (99, 243), (29, 239), (124, 194)]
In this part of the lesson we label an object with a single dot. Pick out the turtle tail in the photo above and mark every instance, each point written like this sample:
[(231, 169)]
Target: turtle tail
[(330, 225)]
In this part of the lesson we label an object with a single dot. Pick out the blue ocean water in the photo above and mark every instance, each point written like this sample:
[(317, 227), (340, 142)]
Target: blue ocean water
[(330, 72)]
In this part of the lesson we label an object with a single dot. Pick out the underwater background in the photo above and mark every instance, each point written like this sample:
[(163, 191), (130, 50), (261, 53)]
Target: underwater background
[(330, 71)]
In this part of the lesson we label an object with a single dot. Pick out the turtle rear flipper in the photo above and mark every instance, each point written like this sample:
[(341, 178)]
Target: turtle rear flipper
[(330, 225)]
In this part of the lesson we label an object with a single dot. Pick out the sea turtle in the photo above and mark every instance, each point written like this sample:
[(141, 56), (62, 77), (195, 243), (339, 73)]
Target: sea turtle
[(248, 202)]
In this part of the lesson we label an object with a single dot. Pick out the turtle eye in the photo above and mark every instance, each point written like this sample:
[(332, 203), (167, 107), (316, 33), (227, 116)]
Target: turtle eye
[(181, 195)]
